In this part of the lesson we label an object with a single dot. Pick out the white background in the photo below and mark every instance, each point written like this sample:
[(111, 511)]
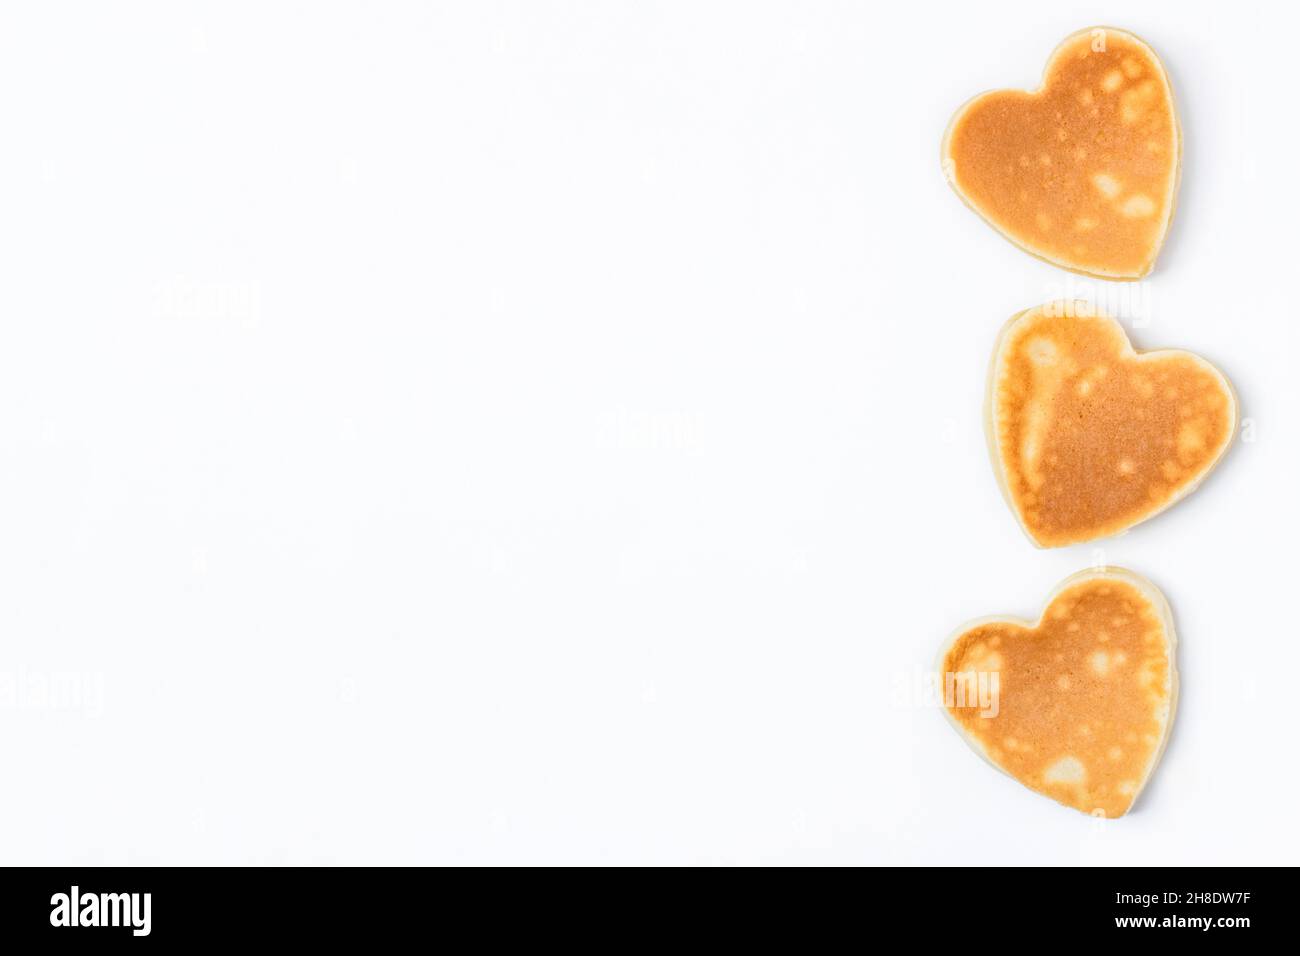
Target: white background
[(550, 432)]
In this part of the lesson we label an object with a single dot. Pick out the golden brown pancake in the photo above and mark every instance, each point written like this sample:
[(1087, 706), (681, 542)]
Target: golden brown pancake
[(1083, 171), (1082, 700), (1089, 437)]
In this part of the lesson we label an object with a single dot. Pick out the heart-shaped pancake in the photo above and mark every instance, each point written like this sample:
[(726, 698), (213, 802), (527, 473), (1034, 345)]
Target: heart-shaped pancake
[(1082, 172), (1078, 705), (1089, 437)]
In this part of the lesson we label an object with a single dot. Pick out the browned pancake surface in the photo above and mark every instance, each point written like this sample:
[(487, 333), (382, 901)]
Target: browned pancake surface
[(1088, 436), (1085, 696), (1082, 172)]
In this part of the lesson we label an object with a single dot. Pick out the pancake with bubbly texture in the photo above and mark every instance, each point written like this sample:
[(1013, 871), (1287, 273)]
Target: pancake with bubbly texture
[(1089, 437), (1082, 172), (1076, 706)]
